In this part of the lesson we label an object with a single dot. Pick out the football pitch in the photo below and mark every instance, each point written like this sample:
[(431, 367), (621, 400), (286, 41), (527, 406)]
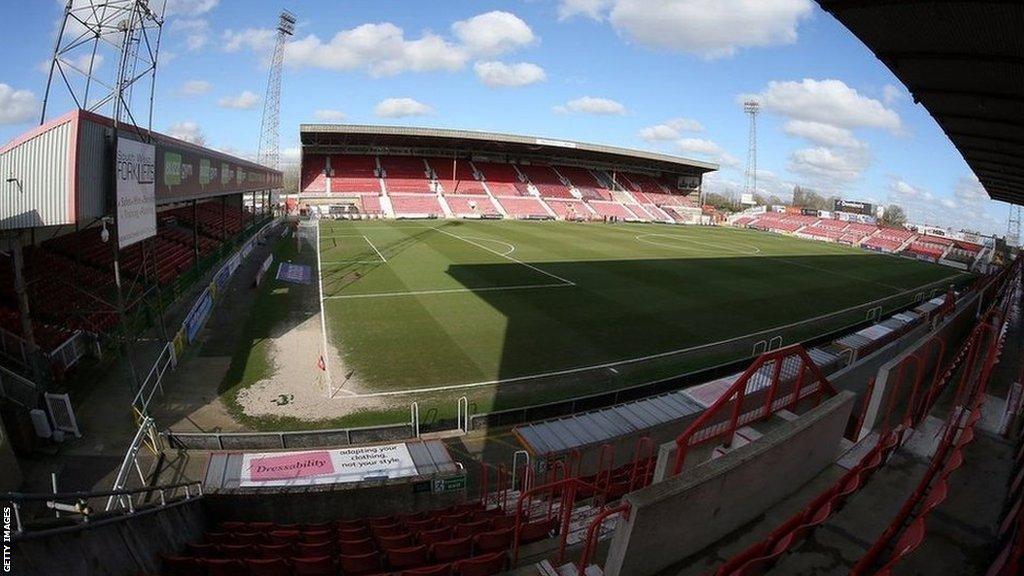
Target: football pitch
[(520, 313)]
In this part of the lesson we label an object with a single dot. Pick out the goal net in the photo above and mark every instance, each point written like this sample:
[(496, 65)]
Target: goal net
[(307, 235)]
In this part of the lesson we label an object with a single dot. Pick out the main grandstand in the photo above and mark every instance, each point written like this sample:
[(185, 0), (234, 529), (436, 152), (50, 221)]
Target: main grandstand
[(397, 172), (460, 353)]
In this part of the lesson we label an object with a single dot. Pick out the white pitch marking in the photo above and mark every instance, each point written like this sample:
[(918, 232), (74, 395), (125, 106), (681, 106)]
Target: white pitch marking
[(638, 359), (382, 258), (447, 291), (511, 247), (517, 261)]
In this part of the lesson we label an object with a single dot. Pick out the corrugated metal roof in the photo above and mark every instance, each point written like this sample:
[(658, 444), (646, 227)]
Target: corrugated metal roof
[(316, 137), (591, 428), (37, 184), (964, 61)]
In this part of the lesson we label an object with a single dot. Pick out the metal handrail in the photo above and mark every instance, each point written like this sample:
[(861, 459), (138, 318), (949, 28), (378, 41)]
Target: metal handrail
[(738, 390)]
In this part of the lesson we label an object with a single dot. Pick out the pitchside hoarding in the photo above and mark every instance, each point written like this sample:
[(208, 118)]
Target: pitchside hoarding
[(136, 200), (339, 466)]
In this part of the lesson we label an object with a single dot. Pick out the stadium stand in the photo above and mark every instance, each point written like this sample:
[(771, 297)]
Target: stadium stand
[(405, 175), (471, 205), (570, 209), (887, 239), (462, 540), (546, 181), (416, 205), (523, 207), (371, 203), (465, 178), (354, 173), (314, 173), (584, 181), (612, 209), (501, 179)]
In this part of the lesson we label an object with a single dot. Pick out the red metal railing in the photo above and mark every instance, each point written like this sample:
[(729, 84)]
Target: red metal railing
[(705, 428), (986, 344), (594, 532)]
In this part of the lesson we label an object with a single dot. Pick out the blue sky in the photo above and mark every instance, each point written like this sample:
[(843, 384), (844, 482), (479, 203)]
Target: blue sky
[(667, 75)]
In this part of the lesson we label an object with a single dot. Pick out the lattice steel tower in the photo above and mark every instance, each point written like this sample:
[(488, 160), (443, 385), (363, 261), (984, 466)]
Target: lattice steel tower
[(751, 108), (1013, 226), (270, 129), (97, 33)]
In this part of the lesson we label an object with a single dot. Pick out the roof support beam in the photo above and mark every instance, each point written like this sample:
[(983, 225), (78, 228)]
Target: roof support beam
[(973, 118), (984, 136), (897, 56), (966, 94)]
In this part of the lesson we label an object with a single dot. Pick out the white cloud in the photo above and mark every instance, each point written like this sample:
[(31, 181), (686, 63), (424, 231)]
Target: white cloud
[(829, 102), (255, 39), (401, 108), (708, 28), (591, 105), (698, 146), (188, 131), (502, 75), (244, 101), (380, 49), (493, 33), (822, 134), (593, 9), (189, 7), (901, 191), (333, 116), (892, 94), (195, 30), (828, 167), (195, 87), (670, 130), (17, 106)]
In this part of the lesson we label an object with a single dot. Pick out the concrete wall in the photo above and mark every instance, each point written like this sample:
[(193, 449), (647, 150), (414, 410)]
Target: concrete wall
[(952, 329), (674, 519), (125, 547), (10, 480)]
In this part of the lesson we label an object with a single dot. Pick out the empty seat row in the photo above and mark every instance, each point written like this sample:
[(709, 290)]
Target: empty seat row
[(484, 565)]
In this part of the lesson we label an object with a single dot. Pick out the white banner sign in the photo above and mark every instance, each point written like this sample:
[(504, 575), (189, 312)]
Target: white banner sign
[(136, 199), (326, 466)]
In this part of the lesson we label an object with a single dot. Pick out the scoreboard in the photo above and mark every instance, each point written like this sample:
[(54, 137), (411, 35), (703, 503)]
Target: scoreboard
[(849, 206)]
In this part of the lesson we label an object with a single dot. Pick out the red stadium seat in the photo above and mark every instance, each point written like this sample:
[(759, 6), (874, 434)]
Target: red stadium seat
[(350, 524), (268, 567), (274, 550), (261, 526), (218, 538), (284, 536), (392, 542), (536, 531), (355, 533), (494, 541), (321, 566), (318, 527), (486, 565), (385, 530), (436, 570), (231, 526), (472, 528), (314, 550), (249, 537), (225, 567), (316, 537), (237, 551), (411, 557), (437, 535), (360, 565), (451, 550), (357, 547), (417, 526)]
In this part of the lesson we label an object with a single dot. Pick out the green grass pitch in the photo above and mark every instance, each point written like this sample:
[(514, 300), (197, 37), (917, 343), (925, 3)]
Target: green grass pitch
[(513, 313)]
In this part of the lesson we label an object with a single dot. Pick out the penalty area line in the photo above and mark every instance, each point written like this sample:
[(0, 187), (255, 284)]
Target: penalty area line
[(507, 257)]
